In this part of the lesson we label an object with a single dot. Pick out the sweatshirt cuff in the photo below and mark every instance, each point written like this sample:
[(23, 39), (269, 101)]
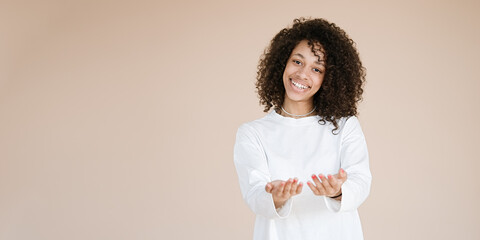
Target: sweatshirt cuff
[(263, 205), (332, 204), (346, 204), (284, 211)]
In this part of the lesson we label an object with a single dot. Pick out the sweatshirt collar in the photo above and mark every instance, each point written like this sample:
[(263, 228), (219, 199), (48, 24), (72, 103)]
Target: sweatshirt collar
[(294, 121)]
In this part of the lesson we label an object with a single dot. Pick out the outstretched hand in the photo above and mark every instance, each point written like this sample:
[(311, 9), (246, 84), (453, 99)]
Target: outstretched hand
[(329, 186), (283, 190)]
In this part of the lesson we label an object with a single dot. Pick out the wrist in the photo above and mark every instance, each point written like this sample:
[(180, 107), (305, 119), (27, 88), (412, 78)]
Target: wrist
[(339, 194), (279, 203)]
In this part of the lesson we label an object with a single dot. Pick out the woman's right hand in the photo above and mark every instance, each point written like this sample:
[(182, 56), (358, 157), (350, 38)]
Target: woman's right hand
[(283, 190)]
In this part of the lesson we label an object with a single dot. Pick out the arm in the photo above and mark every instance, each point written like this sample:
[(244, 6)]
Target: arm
[(253, 174), (355, 161)]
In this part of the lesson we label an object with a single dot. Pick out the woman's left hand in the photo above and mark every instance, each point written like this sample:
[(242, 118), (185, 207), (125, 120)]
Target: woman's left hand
[(329, 186)]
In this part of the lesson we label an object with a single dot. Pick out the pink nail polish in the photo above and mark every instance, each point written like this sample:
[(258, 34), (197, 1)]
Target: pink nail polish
[(330, 177), (314, 176)]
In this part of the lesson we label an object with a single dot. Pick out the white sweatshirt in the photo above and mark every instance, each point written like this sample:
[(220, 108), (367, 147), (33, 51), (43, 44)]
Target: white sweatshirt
[(277, 148)]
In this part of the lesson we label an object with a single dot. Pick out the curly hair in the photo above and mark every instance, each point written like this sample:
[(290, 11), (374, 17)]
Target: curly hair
[(342, 85)]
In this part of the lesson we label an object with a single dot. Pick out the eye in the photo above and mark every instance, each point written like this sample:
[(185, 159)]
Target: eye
[(317, 70), (297, 62)]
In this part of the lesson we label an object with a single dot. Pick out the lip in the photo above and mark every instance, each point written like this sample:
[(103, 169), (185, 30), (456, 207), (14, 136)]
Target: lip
[(296, 88)]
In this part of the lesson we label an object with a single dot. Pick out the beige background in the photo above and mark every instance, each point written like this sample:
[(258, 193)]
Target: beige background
[(118, 118)]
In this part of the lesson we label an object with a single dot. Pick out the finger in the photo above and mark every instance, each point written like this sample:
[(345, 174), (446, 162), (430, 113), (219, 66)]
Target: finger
[(321, 189), (269, 188), (339, 178), (328, 188), (342, 174), (334, 182), (295, 185), (313, 188), (299, 188), (279, 190), (316, 180), (288, 186)]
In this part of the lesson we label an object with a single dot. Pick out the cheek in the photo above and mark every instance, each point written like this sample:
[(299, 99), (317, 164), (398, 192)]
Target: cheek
[(318, 81), (290, 68)]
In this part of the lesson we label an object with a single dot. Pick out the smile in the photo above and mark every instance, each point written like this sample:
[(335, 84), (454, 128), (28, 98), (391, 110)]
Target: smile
[(298, 85)]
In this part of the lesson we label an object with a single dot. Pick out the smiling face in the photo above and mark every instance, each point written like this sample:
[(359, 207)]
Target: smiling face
[(303, 74)]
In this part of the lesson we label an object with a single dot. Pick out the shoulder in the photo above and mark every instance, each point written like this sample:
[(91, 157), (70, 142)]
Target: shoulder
[(343, 123), (257, 124), (350, 126), (350, 121), (250, 132)]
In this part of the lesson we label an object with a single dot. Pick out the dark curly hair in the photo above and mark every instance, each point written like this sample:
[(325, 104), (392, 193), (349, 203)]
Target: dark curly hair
[(344, 78)]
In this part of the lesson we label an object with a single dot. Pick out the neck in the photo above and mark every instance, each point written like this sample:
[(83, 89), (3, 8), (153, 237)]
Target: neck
[(297, 108)]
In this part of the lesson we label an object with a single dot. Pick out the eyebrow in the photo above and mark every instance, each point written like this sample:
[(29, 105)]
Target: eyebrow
[(321, 63)]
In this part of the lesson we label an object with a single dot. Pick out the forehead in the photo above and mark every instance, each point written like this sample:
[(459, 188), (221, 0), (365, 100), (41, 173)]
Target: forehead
[(305, 50)]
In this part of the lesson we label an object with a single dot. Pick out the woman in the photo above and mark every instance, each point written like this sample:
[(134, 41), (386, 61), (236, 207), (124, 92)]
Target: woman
[(312, 77)]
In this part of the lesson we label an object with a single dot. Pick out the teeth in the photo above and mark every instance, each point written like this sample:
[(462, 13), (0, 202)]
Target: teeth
[(299, 85)]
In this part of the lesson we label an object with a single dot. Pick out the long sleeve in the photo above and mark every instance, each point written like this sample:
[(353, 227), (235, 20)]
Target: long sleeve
[(252, 169), (355, 161)]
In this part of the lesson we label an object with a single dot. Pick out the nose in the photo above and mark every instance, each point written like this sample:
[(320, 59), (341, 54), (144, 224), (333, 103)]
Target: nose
[(301, 73)]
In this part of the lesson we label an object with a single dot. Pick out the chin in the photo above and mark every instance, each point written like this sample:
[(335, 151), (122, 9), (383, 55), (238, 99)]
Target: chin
[(297, 98)]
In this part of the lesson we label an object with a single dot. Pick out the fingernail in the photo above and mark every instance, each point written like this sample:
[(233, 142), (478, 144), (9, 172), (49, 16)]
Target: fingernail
[(329, 176), (314, 176), (295, 180), (308, 183), (321, 176), (341, 169)]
